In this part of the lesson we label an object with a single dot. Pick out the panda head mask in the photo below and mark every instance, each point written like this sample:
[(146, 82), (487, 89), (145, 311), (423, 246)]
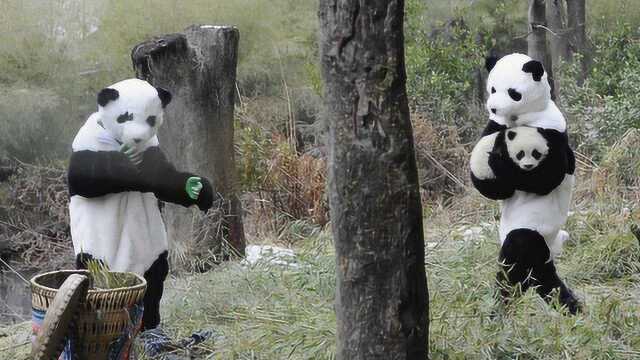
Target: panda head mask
[(132, 111), (516, 85), (526, 147)]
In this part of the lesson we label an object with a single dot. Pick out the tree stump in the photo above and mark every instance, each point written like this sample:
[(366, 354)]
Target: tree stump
[(198, 67), (376, 211)]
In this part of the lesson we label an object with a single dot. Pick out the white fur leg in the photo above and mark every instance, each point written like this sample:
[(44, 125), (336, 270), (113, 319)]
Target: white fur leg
[(556, 247), (479, 162)]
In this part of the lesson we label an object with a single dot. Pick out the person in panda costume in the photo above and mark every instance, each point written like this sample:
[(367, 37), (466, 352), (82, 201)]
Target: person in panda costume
[(117, 173), (524, 159)]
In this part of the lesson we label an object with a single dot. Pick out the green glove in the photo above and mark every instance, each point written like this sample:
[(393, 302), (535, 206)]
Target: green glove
[(134, 155), (193, 187)]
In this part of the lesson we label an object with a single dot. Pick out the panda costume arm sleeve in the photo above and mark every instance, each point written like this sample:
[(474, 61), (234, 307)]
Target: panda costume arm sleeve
[(98, 173), (492, 127), (168, 184), (483, 177)]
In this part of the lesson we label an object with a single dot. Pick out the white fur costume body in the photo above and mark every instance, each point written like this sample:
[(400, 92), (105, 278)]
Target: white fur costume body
[(126, 228), (545, 214)]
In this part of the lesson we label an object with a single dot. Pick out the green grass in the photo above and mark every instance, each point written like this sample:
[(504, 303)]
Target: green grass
[(273, 312)]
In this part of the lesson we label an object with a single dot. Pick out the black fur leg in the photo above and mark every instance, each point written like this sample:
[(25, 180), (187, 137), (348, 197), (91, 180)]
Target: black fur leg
[(522, 251), (523, 259), (155, 277), (547, 280), (568, 299), (82, 259)]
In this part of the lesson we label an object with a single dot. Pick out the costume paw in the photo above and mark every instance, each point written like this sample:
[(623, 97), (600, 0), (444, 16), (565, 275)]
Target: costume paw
[(205, 200), (134, 155), (193, 187)]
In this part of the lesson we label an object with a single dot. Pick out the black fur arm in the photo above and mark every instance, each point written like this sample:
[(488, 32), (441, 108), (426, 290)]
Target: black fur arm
[(494, 189), (571, 158), (98, 173), (492, 127), (168, 184), (483, 176)]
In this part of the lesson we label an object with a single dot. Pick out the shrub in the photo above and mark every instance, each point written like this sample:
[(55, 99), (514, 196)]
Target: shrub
[(605, 107)]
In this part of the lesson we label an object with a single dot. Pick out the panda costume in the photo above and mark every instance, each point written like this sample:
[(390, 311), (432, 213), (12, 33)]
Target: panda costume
[(524, 159), (117, 174)]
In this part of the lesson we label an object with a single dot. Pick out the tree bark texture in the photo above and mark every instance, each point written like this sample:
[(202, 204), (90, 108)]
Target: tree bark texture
[(198, 67), (559, 40), (576, 15), (376, 213), (537, 39)]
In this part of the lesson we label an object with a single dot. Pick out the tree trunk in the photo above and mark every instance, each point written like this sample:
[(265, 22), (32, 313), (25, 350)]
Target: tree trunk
[(559, 40), (376, 212), (576, 10), (537, 39), (199, 68)]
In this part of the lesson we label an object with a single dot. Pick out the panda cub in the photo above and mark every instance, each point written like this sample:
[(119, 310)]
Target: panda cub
[(526, 147), (117, 173)]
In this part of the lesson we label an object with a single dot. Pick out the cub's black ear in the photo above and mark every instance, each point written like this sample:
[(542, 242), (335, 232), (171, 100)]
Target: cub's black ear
[(107, 94), (511, 135), (490, 62), (165, 96), (535, 68)]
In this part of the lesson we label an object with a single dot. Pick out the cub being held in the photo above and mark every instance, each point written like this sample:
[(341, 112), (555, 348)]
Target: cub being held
[(526, 147)]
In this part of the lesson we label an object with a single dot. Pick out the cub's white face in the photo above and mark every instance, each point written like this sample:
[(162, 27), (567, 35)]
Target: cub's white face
[(526, 147), (516, 85), (132, 111)]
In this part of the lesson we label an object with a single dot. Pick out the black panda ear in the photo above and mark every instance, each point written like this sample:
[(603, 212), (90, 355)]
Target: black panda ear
[(490, 62), (107, 94), (165, 96), (511, 135), (535, 68)]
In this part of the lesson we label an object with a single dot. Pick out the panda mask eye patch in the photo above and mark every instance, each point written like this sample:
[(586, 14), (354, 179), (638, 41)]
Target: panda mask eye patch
[(516, 96), (124, 118)]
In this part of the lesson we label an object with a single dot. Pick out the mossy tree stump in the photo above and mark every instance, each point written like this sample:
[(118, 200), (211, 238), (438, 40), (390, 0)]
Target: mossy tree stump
[(198, 67)]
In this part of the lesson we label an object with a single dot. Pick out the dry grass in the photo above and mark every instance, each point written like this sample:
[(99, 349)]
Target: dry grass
[(441, 157), (34, 216)]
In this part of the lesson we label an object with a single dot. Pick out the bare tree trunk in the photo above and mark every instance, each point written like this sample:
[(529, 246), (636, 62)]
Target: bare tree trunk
[(376, 212), (537, 39), (576, 10), (199, 68), (556, 17)]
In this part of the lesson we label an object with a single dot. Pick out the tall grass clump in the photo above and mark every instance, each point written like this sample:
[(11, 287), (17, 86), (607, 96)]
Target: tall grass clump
[(264, 310)]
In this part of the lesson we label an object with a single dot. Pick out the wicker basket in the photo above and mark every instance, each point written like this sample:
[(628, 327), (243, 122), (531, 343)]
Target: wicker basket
[(107, 322)]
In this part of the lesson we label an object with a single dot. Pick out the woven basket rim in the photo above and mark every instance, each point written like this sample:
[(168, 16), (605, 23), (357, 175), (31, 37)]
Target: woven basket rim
[(142, 285)]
